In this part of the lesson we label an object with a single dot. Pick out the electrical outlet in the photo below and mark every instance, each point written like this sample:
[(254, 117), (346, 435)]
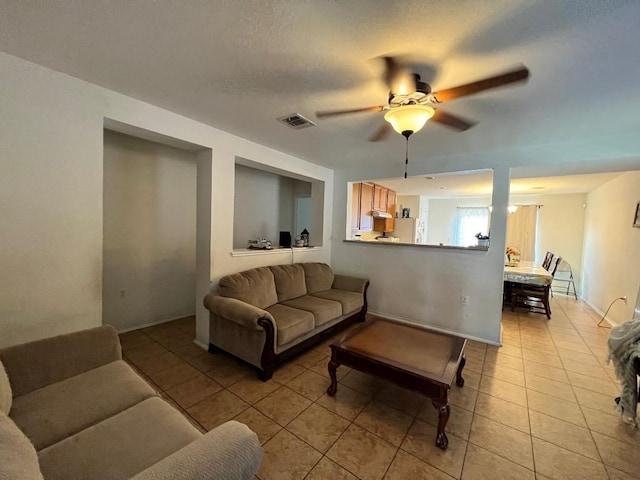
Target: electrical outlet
[(464, 299)]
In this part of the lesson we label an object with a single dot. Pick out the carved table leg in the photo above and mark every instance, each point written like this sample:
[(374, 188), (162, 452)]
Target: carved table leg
[(443, 417), (459, 379), (333, 388)]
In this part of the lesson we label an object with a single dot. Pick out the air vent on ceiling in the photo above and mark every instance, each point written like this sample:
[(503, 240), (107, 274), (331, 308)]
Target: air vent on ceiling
[(297, 121)]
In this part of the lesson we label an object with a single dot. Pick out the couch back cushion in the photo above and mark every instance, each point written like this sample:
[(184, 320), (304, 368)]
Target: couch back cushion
[(290, 282), (256, 287), (318, 276), (5, 392), (18, 458)]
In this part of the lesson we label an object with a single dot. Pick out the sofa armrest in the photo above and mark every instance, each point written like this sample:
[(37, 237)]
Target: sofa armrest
[(350, 284), (230, 452), (37, 364), (236, 310)]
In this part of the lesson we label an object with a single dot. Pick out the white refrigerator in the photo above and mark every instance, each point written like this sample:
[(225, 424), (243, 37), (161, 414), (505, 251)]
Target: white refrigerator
[(409, 230)]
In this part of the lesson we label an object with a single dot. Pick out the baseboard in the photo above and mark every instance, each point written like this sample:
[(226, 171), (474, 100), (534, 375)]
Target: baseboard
[(600, 312), (204, 346), (407, 321), (157, 322)]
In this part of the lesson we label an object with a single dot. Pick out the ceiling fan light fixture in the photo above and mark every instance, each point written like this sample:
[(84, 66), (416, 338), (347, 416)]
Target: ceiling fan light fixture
[(409, 118)]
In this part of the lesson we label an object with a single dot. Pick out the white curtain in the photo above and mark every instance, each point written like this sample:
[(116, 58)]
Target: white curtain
[(521, 231), (469, 222)]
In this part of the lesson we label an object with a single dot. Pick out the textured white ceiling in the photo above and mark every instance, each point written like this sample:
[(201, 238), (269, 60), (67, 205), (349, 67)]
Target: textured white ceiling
[(238, 65), (480, 183)]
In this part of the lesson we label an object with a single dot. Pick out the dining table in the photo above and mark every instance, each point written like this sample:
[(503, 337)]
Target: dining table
[(527, 273)]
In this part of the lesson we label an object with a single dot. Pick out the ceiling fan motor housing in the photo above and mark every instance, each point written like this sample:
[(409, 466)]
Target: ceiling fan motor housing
[(421, 90)]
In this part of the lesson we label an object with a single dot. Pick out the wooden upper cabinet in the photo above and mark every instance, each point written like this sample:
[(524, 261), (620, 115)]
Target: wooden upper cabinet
[(355, 206), (380, 198), (366, 205), (391, 202)]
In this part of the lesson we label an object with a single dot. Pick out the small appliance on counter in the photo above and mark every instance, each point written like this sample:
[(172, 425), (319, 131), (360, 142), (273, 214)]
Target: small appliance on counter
[(285, 239), (260, 244)]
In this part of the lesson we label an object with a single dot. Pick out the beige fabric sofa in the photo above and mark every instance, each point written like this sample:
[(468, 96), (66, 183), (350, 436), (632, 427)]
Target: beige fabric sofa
[(266, 315), (70, 408)]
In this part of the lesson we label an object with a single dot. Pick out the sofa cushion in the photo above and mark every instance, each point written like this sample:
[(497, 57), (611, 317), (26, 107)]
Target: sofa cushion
[(351, 301), (290, 281), (318, 276), (291, 323), (18, 459), (255, 287), (323, 310), (120, 446), (54, 412), (5, 391)]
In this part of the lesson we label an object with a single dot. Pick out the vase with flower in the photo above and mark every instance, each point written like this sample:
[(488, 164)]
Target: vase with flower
[(513, 256)]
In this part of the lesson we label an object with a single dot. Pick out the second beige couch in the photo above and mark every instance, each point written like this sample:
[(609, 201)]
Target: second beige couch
[(266, 315)]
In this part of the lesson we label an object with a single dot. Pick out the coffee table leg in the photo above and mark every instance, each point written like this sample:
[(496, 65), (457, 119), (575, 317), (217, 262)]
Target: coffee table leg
[(443, 417), (333, 388), (459, 379)]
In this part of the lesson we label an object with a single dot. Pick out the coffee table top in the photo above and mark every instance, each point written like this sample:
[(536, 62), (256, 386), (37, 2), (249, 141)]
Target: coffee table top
[(411, 348)]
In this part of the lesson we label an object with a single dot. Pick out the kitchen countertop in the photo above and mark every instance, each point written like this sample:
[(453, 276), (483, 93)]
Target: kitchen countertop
[(419, 245)]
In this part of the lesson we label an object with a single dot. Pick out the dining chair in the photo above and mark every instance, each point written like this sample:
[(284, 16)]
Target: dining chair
[(547, 260), (534, 297)]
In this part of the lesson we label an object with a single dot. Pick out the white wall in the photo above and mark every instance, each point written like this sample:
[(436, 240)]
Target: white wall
[(611, 265), (561, 231), (442, 217), (149, 246), (412, 202), (51, 154), (422, 284)]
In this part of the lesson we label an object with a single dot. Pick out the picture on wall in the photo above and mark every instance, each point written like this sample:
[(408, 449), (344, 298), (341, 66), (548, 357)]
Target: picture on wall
[(636, 218)]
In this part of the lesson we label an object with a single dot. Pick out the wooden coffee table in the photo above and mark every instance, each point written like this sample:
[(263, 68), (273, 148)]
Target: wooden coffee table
[(410, 356)]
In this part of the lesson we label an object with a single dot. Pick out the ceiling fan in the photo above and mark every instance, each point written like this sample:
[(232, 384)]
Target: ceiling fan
[(411, 102)]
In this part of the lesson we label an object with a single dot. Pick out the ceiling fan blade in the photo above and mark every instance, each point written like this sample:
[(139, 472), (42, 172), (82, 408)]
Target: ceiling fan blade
[(381, 133), (453, 121), (333, 113), (514, 76)]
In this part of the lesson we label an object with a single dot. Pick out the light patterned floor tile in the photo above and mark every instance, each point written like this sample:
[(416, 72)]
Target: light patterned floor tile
[(385, 422), (504, 390), (508, 442), (567, 435), (328, 469), (504, 412), (283, 405), (620, 455), (263, 426), (286, 457), (421, 442), (558, 463), (481, 464), (347, 402), (362, 453), (405, 466), (555, 407), (319, 427)]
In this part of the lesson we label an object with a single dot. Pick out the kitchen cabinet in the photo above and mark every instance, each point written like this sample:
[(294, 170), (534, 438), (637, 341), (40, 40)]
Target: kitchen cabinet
[(355, 206), (391, 202), (380, 198), (366, 205), (384, 224)]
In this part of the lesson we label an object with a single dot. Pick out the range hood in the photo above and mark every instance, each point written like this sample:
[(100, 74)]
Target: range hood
[(379, 214)]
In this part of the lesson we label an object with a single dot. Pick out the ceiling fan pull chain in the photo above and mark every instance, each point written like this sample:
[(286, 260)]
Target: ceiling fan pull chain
[(406, 158)]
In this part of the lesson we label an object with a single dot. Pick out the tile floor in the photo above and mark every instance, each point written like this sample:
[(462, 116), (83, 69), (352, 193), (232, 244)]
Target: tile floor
[(539, 407)]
